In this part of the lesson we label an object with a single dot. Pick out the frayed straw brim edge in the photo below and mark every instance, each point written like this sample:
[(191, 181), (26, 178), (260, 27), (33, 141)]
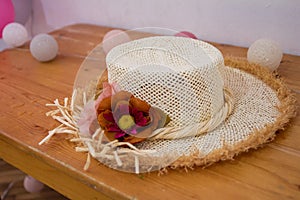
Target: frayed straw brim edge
[(287, 109)]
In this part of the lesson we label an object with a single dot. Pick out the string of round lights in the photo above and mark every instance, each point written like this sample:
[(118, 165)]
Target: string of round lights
[(44, 47)]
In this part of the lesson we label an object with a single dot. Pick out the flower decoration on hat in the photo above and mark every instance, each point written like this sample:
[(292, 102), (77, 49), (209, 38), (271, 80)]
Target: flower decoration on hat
[(127, 118)]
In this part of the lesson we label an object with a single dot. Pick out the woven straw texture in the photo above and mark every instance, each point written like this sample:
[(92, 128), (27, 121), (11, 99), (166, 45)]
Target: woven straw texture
[(176, 75), (262, 105)]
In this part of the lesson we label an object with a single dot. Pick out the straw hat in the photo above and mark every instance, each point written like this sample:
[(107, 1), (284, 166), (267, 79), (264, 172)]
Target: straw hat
[(213, 109)]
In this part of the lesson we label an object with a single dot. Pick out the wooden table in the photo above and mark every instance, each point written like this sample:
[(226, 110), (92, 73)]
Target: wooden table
[(272, 172)]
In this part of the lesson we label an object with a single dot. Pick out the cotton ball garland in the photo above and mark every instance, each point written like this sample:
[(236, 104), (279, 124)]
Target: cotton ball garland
[(114, 38), (15, 34), (265, 52), (43, 47), (32, 185), (186, 34)]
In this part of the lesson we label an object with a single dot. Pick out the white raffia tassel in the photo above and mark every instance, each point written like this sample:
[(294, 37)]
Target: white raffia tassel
[(73, 99), (62, 114), (137, 165), (94, 145), (87, 163), (81, 149), (50, 134), (118, 160)]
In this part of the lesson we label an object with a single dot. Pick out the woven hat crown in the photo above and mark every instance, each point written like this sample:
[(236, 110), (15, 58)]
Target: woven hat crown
[(179, 75)]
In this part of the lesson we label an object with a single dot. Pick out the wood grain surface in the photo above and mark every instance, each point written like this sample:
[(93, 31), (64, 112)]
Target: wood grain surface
[(26, 85)]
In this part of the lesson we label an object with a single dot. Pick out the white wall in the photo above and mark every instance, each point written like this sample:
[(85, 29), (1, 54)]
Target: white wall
[(237, 22)]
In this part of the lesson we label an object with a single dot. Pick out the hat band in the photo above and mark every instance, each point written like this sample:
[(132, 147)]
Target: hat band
[(198, 128)]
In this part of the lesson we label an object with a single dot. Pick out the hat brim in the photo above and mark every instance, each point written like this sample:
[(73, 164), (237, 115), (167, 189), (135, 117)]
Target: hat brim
[(263, 105)]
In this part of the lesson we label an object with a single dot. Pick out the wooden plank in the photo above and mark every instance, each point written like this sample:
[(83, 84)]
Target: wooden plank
[(41, 168), (10, 174), (27, 85)]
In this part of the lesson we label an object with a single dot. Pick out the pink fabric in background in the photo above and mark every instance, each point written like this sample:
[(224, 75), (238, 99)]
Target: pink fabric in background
[(7, 14)]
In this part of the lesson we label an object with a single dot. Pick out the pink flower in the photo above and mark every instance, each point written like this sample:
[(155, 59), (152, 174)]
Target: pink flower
[(88, 116), (108, 91)]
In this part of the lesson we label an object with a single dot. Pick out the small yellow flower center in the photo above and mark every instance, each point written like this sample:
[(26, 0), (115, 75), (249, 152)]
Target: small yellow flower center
[(126, 122)]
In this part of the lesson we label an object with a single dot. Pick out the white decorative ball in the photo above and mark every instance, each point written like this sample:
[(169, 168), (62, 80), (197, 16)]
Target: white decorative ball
[(32, 185), (15, 34), (43, 47), (114, 38), (265, 52)]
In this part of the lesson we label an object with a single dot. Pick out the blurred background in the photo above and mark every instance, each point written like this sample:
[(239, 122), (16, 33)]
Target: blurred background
[(235, 22)]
